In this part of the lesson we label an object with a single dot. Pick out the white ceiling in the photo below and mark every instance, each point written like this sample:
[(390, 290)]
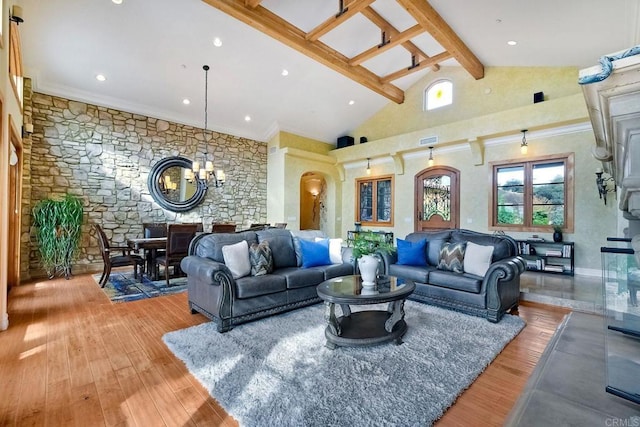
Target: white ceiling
[(152, 52)]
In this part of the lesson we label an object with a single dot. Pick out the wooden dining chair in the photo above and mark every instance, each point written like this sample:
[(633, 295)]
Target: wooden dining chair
[(154, 229), (111, 260), (151, 230), (179, 237), (223, 227)]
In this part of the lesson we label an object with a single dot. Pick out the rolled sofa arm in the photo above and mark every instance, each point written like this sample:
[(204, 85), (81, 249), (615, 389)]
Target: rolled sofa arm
[(502, 283), (205, 269), (211, 289), (386, 259)]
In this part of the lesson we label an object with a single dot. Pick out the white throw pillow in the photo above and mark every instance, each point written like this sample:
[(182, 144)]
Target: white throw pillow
[(236, 258), (335, 250), (477, 259)]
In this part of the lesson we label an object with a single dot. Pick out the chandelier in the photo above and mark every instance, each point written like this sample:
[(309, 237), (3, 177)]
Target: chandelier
[(204, 172)]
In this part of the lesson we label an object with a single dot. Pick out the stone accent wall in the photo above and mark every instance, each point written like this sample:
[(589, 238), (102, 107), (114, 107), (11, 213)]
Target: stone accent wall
[(27, 142), (105, 155)]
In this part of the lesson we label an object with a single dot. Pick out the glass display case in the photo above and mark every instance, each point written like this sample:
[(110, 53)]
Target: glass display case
[(621, 282)]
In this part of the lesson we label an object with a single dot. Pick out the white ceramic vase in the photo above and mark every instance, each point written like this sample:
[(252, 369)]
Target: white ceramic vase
[(368, 265)]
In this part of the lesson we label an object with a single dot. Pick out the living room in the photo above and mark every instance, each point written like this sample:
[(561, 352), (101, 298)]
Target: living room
[(104, 152)]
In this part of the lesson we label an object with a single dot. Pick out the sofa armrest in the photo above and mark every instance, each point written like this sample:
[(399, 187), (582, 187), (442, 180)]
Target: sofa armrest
[(206, 270), (502, 284), (386, 259)]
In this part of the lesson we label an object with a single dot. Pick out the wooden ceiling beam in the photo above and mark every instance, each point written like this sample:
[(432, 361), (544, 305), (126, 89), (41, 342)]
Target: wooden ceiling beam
[(351, 10), (427, 16), (252, 3), (394, 41), (272, 25), (373, 16), (419, 67)]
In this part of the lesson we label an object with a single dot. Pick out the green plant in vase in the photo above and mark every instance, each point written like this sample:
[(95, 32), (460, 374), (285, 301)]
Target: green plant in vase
[(368, 243), (58, 225), (365, 246), (557, 232)]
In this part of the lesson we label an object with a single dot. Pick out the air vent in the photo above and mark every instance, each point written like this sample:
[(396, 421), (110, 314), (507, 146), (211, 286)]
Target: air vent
[(430, 140)]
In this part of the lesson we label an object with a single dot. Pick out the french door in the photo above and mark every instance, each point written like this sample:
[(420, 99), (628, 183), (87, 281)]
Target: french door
[(437, 198)]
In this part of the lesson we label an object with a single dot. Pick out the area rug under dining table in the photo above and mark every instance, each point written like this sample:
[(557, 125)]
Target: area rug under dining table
[(277, 371), (123, 287)]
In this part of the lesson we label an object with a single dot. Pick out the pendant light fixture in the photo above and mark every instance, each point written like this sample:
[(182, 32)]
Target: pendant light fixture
[(368, 167), (430, 162), (207, 174), (523, 145)]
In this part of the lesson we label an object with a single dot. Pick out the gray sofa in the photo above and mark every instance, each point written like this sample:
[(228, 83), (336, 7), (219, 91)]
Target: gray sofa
[(215, 293), (489, 296)]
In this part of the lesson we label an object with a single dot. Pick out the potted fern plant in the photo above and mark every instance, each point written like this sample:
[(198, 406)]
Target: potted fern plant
[(365, 245), (58, 225)]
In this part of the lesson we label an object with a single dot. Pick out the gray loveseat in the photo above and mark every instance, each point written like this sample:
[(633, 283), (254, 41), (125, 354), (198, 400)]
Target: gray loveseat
[(489, 296), (215, 293)]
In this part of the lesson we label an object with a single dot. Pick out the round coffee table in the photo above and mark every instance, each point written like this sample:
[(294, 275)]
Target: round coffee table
[(367, 327)]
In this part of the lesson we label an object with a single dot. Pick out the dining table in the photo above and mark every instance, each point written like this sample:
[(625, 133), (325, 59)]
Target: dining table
[(150, 246)]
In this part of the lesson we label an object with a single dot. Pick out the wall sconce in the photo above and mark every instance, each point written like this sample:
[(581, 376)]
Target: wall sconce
[(430, 161), (16, 15), (368, 167), (523, 144), (601, 183)]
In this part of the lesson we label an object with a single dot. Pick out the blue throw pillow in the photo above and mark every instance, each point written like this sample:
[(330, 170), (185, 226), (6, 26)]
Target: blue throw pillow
[(412, 253), (315, 253)]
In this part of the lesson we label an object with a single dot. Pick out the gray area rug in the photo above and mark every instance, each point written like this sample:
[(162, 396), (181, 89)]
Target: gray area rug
[(277, 371)]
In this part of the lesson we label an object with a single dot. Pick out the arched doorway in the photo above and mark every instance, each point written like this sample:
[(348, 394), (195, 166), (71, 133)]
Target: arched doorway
[(437, 198), (313, 195)]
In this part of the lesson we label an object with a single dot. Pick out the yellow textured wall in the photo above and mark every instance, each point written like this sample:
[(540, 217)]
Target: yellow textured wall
[(477, 129), (287, 139), (502, 88), (289, 157)]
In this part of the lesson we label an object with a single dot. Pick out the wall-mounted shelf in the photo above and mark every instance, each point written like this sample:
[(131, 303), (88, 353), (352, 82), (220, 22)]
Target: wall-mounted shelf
[(548, 257)]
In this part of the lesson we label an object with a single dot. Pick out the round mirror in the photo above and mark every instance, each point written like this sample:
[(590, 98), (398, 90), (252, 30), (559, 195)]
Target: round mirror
[(171, 186)]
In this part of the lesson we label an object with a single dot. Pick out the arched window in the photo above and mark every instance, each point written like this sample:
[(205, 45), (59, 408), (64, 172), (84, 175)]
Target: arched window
[(438, 94)]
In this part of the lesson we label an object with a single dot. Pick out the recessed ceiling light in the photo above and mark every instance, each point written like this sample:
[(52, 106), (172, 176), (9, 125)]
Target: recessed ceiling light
[(352, 102), (100, 77), (186, 101), (217, 42), (512, 42), (247, 118), (285, 72), (117, 1)]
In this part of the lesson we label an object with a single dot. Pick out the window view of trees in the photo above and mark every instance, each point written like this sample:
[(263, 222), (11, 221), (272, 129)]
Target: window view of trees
[(531, 194)]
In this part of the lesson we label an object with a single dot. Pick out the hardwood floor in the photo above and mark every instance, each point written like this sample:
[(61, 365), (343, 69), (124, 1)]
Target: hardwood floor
[(71, 357)]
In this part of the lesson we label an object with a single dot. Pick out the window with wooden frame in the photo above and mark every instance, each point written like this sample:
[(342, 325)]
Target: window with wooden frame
[(374, 201), (15, 62), (533, 195)]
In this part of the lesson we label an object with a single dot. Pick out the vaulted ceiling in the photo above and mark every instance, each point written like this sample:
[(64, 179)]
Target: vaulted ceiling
[(344, 62), (423, 20)]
